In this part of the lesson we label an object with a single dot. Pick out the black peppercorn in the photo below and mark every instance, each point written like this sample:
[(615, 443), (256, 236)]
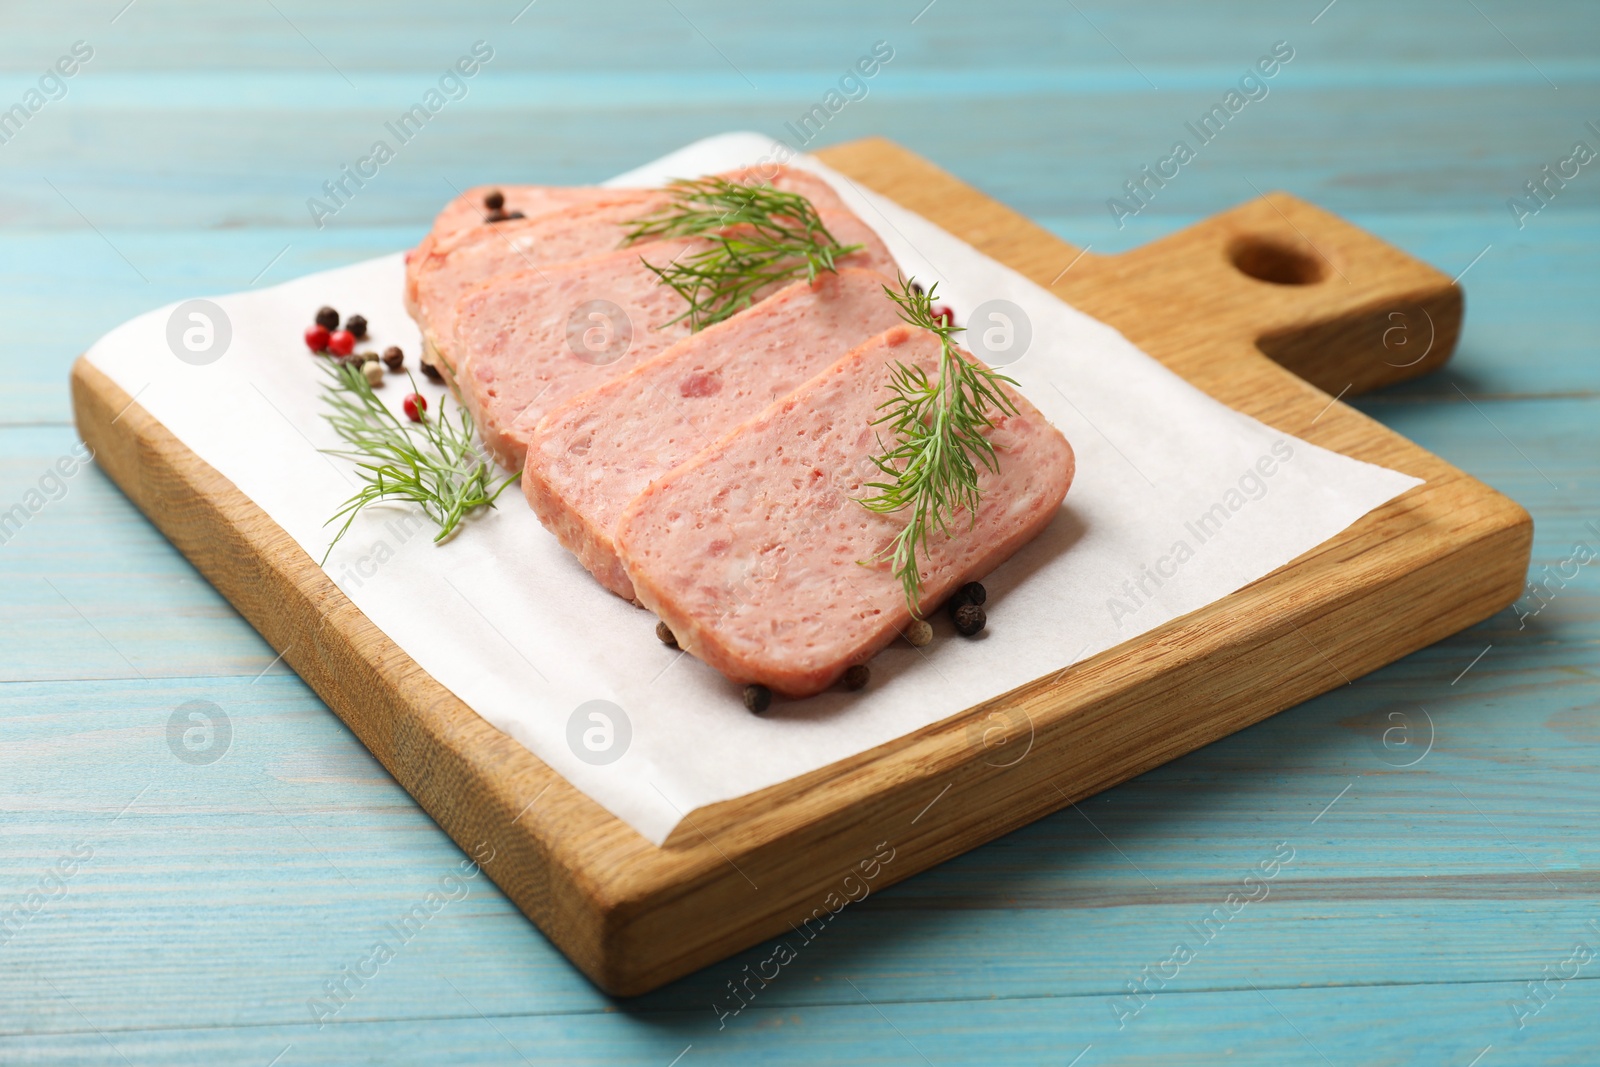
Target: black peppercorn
[(971, 593), (357, 325), (515, 215), (495, 216), (328, 318), (857, 677), (431, 372), (665, 635), (494, 200), (758, 698), (393, 358), (969, 619)]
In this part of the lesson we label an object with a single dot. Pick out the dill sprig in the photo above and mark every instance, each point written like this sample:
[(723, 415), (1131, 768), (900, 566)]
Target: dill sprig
[(759, 235), (434, 463), (939, 443)]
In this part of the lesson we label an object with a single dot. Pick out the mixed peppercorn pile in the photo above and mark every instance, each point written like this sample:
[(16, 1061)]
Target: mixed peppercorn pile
[(325, 337)]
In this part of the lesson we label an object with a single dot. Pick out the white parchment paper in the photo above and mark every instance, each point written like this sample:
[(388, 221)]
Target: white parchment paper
[(1178, 501)]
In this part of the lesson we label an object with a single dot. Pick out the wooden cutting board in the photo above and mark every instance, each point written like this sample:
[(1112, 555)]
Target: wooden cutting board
[(1275, 307)]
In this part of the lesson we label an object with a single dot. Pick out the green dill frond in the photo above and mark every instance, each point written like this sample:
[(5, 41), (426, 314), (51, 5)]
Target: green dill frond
[(434, 463), (758, 236), (937, 445)]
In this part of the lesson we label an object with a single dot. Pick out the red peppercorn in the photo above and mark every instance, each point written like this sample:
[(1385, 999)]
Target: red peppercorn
[(942, 312), (317, 338), (415, 404), (341, 342)]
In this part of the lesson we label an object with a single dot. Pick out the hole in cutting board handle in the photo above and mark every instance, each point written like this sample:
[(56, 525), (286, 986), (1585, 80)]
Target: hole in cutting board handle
[(1272, 261)]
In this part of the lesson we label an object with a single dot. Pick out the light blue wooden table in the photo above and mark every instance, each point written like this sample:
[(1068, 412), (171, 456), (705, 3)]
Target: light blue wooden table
[(203, 905)]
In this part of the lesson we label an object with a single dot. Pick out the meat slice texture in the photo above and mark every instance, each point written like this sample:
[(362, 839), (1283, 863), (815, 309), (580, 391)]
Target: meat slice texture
[(523, 343), (528, 341), (467, 212), (590, 457), (751, 551), (456, 263)]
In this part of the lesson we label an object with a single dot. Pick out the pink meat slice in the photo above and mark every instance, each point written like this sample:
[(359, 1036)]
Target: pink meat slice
[(750, 550), (466, 212), (514, 347), (590, 457), (526, 342), (459, 262)]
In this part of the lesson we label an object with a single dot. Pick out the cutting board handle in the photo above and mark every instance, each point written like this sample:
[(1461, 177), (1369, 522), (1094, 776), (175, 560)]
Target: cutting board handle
[(1276, 276), (1330, 302)]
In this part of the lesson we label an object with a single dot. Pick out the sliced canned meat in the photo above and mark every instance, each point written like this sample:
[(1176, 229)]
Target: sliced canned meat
[(522, 343), (468, 212), (457, 263), (526, 342), (752, 551), (590, 457)]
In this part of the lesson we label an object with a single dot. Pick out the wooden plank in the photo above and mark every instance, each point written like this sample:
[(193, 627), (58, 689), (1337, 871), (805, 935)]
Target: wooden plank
[(1447, 1023), (987, 133), (633, 917), (301, 848), (1163, 33)]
